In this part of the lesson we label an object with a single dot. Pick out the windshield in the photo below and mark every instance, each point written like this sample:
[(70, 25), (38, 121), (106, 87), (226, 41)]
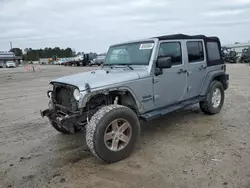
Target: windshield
[(138, 53)]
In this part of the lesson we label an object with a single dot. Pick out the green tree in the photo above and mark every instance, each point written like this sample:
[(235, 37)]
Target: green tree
[(17, 51), (34, 55), (68, 52)]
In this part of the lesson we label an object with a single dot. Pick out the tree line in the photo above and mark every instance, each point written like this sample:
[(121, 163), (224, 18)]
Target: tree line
[(34, 54)]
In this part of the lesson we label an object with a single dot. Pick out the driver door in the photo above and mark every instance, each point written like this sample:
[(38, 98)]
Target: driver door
[(170, 86)]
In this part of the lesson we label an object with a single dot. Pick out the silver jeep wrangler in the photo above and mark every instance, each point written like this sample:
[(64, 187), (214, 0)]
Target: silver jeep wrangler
[(139, 80)]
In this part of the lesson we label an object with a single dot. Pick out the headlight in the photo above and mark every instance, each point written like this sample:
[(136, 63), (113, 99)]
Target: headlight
[(77, 94), (50, 90), (49, 94)]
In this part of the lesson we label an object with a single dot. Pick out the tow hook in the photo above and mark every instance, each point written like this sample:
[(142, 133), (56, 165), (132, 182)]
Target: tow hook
[(41, 113), (45, 112)]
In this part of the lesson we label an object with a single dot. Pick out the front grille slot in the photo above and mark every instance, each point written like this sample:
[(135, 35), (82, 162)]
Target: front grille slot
[(63, 95)]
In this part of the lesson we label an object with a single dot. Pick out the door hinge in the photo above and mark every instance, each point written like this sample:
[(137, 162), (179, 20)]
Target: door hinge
[(156, 97), (155, 80)]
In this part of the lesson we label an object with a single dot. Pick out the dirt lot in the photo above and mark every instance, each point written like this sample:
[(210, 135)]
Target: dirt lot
[(184, 149)]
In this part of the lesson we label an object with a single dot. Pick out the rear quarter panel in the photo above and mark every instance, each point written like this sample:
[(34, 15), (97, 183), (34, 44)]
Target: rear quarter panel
[(212, 72)]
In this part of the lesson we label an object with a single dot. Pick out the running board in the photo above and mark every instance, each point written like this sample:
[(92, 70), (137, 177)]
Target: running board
[(148, 116)]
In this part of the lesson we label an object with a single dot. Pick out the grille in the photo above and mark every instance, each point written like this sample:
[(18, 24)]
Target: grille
[(64, 97)]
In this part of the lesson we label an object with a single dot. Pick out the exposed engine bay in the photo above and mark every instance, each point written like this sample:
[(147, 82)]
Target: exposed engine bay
[(64, 111)]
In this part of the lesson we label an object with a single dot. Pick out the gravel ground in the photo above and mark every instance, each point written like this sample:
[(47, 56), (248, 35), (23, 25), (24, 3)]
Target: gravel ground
[(185, 149)]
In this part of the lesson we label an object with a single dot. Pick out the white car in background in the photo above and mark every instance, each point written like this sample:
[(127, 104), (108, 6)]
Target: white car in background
[(98, 60), (10, 64), (61, 61)]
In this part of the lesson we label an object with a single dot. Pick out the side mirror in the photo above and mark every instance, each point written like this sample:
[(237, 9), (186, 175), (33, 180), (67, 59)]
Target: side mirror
[(164, 62)]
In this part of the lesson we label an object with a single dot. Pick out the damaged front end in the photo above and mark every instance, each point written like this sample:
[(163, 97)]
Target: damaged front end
[(64, 107)]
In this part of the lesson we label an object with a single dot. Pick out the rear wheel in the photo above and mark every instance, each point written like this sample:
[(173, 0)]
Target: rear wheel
[(112, 133), (214, 99)]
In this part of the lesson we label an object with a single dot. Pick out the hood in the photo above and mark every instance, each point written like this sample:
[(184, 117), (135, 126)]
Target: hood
[(100, 78)]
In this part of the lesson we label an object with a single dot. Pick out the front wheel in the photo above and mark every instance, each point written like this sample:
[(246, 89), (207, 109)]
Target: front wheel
[(112, 133), (214, 99)]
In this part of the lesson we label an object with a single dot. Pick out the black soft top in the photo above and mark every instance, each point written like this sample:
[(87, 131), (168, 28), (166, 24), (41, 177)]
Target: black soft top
[(206, 40), (183, 36)]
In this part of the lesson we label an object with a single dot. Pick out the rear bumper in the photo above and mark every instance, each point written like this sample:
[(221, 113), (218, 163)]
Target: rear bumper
[(227, 81)]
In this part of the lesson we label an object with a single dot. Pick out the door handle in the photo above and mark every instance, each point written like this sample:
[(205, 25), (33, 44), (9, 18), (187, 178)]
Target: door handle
[(181, 71), (202, 67)]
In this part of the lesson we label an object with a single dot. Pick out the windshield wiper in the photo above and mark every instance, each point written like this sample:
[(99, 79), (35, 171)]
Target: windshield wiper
[(124, 64), (131, 68), (108, 65)]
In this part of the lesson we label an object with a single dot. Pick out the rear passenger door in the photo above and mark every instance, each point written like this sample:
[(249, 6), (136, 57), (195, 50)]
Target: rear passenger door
[(196, 67)]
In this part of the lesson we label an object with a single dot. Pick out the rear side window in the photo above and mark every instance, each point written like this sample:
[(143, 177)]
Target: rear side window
[(213, 51), (195, 51), (173, 50)]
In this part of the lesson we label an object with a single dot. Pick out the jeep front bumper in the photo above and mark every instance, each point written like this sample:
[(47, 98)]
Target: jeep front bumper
[(63, 119)]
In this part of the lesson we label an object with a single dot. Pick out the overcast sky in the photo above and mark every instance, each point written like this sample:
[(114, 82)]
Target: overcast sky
[(93, 25)]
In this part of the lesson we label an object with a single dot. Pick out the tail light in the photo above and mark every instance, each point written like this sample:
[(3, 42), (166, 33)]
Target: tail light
[(224, 67)]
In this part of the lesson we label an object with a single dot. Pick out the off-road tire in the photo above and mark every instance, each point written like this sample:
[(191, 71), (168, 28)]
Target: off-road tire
[(96, 128), (61, 129), (206, 105)]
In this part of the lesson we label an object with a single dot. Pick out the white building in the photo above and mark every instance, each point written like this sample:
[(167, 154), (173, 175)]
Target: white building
[(237, 47), (9, 56)]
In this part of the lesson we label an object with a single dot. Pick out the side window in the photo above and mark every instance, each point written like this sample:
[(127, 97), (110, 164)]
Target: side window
[(195, 51), (213, 51), (173, 50)]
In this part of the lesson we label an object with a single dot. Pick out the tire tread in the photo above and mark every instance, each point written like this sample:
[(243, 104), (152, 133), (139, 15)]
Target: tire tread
[(91, 128), (205, 105)]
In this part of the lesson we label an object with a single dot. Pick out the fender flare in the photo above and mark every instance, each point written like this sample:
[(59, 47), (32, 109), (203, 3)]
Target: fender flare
[(209, 78), (90, 94)]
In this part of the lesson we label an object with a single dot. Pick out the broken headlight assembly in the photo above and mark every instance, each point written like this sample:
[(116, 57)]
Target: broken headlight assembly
[(49, 94), (50, 91), (77, 94)]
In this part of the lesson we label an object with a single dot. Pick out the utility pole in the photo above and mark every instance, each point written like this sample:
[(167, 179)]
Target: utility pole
[(10, 45)]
